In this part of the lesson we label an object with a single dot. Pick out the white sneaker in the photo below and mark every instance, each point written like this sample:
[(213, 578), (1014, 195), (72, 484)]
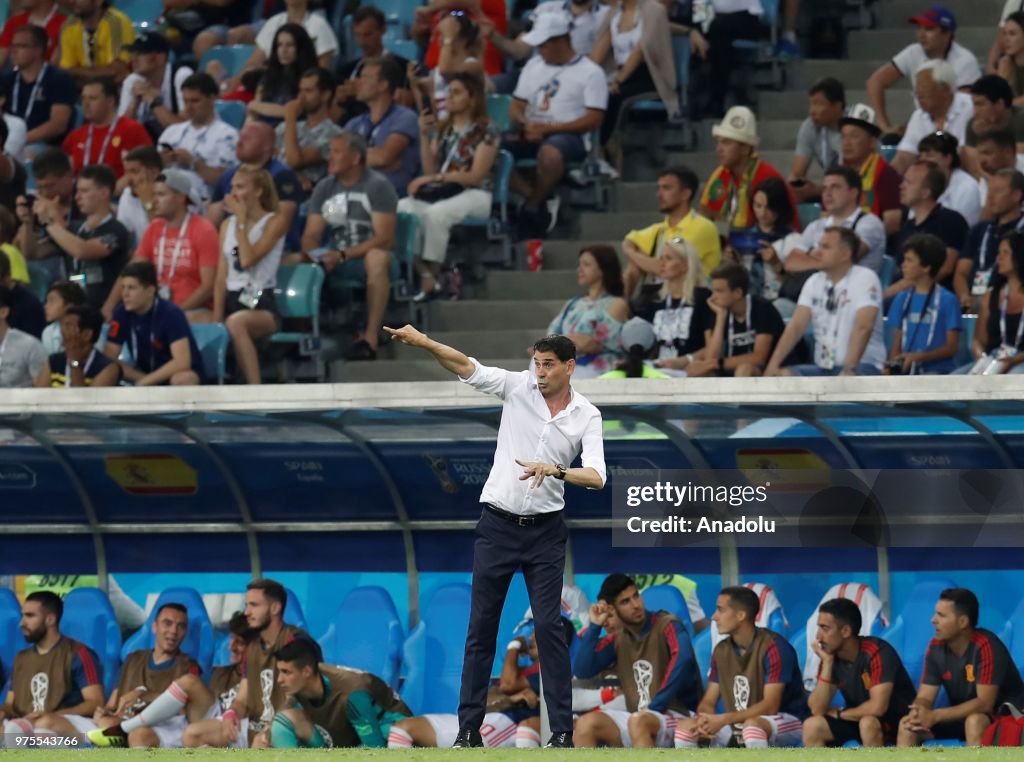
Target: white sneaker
[(553, 204)]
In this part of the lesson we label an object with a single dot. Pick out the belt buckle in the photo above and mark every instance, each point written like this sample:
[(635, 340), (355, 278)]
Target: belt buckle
[(524, 521)]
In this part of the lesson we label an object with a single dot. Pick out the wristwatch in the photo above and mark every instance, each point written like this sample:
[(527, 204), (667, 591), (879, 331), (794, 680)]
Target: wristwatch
[(561, 472)]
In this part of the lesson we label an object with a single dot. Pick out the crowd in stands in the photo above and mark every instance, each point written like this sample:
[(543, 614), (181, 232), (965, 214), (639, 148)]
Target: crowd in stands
[(638, 681), (118, 150)]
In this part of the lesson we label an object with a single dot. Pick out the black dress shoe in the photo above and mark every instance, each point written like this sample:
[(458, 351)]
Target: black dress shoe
[(560, 741), (468, 738)]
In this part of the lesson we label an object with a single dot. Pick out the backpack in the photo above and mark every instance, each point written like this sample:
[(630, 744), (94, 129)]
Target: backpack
[(1006, 729)]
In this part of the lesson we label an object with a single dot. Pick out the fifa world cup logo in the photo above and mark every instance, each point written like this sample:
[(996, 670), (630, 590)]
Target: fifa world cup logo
[(741, 692), (643, 674), (227, 698), (40, 687), (266, 688), (328, 741)]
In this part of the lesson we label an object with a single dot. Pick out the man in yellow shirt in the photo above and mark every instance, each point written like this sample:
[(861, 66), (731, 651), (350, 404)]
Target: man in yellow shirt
[(677, 189), (94, 42)]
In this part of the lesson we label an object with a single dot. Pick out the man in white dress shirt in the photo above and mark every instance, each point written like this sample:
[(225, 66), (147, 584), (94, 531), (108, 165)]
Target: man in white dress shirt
[(940, 109), (545, 425)]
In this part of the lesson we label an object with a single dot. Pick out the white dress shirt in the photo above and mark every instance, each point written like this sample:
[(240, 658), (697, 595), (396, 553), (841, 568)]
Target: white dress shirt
[(869, 228), (529, 432), (921, 123)]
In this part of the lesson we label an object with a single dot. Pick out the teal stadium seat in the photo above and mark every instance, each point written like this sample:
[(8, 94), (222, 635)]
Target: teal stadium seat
[(405, 48), (89, 618), (435, 650), (298, 294), (213, 340), (808, 213), (497, 224), (366, 634), (399, 13), (232, 112), (233, 57), (198, 643), (668, 598), (143, 13), (497, 110)]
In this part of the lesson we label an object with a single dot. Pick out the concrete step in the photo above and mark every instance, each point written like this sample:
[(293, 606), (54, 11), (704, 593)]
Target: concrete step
[(852, 73), (639, 197), (614, 226), (382, 371), (541, 286), (793, 104), (564, 254), (778, 133), (871, 43), (498, 313), (480, 343), (894, 13)]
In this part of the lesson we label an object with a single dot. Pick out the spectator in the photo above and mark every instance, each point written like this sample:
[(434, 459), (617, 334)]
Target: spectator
[(940, 109), (922, 187), (203, 144), (182, 245), (732, 20), (461, 53), (151, 94), (457, 161), (79, 363), (676, 190), (993, 110), (842, 304), (243, 298), (41, 94), (638, 340), (585, 19), (13, 176), (729, 192), (163, 350), (355, 207), (879, 182), (256, 148), (368, 28), (135, 207), (214, 22), (60, 296), (593, 321), (97, 246), (292, 54), (23, 354), (637, 35), (1011, 65), (996, 50), (54, 180), (13, 142), (775, 215), (559, 99), (302, 145), (974, 268), (41, 13), (999, 334), (740, 339), (996, 150), (8, 231), (491, 12), (105, 137), (818, 139), (936, 28), (924, 318), (26, 313), (391, 131), (962, 193), (94, 42)]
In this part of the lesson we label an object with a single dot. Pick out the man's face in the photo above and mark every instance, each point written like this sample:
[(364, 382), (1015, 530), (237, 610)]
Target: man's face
[(933, 98), (629, 607), (933, 40), (369, 37), (722, 295), (90, 196), (1001, 198), (84, 8), (259, 611), (550, 50), (237, 647), (290, 678), (167, 203), (69, 330), (147, 63), (912, 188), (836, 195), (341, 158), (138, 174), (731, 153), (96, 106), (134, 295), (831, 251), (726, 617), (54, 306), (911, 266), (310, 94), (670, 193), (829, 634), (992, 158), (988, 114), (552, 374), (822, 111), (369, 85), (197, 107), (33, 621), (855, 143), (252, 147), (24, 51), (945, 621), (170, 628), (56, 186)]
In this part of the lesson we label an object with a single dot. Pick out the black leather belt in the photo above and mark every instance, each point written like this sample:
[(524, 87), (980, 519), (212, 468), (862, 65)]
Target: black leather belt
[(517, 519)]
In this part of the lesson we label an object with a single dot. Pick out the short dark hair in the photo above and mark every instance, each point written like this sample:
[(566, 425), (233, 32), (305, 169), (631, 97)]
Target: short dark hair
[(180, 608), (364, 12), (147, 156), (831, 88), (48, 601), (1002, 138), (934, 179), (1016, 179), (847, 239), (100, 174), (70, 292), (387, 70), (561, 346), (201, 82), (744, 599), (89, 319), (272, 589), (736, 276), (302, 652), (993, 88), (965, 603), (50, 162), (844, 611), (613, 586), (850, 176), (324, 79), (106, 84), (238, 625), (40, 38), (929, 249), (943, 143), (142, 270), (687, 178)]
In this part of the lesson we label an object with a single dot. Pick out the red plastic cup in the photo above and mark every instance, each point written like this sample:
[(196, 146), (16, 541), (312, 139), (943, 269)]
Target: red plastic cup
[(535, 254)]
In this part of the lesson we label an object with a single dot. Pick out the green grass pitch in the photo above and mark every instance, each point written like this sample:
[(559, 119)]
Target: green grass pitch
[(515, 755)]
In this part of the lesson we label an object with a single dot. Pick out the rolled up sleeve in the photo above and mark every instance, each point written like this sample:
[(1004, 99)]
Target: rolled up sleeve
[(490, 380), (593, 447)]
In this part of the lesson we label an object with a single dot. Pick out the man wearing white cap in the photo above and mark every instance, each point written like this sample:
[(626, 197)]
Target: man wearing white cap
[(561, 96), (879, 182), (729, 193)]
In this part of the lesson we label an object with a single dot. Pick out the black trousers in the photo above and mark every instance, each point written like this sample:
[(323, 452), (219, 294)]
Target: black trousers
[(501, 548), (725, 28)]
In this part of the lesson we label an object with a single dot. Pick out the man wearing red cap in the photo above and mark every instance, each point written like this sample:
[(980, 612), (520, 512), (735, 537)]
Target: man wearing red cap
[(936, 28)]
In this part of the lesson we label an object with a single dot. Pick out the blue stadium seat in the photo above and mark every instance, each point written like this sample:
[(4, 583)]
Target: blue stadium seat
[(668, 598), (808, 213), (1015, 644), (89, 618), (198, 643), (799, 643), (232, 112), (398, 12), (911, 630), (293, 613), (497, 110), (434, 652), (405, 48), (963, 352), (143, 13), (887, 272), (11, 640), (497, 224), (366, 634), (761, 52), (298, 294), (702, 650), (233, 57), (888, 152), (213, 340)]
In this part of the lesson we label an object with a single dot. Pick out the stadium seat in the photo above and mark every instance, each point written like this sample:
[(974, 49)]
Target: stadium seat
[(11, 640), (213, 340), (198, 643), (497, 110), (887, 272), (911, 629), (964, 354), (89, 618), (668, 598), (39, 280), (888, 152), (497, 225), (405, 48), (233, 57), (398, 12), (366, 634), (763, 52), (1015, 643), (298, 297), (434, 652), (143, 13), (808, 213), (293, 613), (232, 112)]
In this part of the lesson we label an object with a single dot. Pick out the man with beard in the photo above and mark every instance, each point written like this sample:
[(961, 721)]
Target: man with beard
[(55, 680)]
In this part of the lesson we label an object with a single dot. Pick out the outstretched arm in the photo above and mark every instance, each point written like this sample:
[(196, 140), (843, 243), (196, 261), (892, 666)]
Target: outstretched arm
[(450, 359)]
